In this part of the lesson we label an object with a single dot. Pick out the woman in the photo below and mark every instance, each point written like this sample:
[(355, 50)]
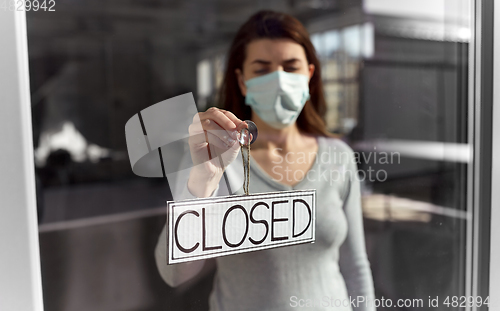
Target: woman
[(273, 78)]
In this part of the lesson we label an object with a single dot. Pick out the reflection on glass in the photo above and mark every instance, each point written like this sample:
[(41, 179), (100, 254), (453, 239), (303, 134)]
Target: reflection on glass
[(395, 79), (332, 43), (342, 52)]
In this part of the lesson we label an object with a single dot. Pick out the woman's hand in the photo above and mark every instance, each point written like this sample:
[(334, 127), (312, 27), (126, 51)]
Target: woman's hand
[(213, 145)]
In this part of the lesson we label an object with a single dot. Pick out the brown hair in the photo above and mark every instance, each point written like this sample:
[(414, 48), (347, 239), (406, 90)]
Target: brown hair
[(274, 25)]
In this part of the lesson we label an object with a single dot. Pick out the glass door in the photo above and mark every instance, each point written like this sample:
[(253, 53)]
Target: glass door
[(408, 87)]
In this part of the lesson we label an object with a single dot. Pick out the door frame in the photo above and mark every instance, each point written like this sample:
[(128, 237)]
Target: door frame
[(22, 288), (21, 283), (494, 282)]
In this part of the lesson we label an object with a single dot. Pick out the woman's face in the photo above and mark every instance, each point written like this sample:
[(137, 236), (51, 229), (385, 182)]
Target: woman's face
[(267, 55)]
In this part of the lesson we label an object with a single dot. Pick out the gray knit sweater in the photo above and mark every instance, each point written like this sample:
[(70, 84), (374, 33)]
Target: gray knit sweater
[(329, 274)]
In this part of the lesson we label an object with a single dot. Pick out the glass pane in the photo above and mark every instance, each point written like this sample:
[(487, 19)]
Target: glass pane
[(332, 42), (413, 111), (395, 81)]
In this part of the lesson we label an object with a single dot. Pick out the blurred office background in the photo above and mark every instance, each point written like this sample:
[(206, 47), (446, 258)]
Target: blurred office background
[(396, 79)]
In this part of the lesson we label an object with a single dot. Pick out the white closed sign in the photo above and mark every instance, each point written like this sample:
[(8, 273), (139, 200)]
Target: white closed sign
[(219, 226)]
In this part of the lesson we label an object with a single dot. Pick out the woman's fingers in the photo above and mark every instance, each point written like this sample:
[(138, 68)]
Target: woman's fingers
[(232, 117), (242, 125), (199, 126), (208, 133), (224, 119), (219, 142), (213, 128), (195, 127), (214, 132)]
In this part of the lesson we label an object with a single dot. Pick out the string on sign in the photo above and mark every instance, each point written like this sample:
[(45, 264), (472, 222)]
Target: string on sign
[(245, 149), (246, 138)]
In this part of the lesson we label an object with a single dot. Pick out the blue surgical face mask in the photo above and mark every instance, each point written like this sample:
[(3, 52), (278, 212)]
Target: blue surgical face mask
[(278, 97)]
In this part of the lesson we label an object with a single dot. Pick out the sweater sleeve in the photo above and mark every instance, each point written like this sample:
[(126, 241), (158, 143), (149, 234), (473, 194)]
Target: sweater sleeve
[(353, 260), (177, 274)]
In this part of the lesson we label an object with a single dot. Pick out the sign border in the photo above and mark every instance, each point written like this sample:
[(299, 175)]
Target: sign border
[(172, 204)]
